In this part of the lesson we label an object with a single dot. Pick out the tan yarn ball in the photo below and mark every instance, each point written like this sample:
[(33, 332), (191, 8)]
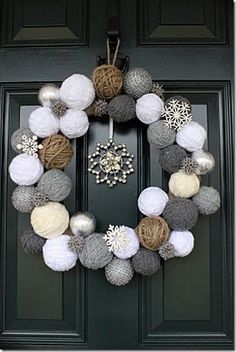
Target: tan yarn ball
[(152, 231), (56, 152), (108, 81), (50, 220), (184, 185)]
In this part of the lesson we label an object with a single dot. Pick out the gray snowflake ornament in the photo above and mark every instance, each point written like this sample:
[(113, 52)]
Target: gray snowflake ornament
[(176, 114)]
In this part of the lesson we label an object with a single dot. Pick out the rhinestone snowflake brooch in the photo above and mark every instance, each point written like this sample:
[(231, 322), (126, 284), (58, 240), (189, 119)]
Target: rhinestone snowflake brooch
[(29, 146), (176, 114), (116, 238), (111, 163)]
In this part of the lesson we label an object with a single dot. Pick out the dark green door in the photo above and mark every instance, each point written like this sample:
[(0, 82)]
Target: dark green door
[(187, 46)]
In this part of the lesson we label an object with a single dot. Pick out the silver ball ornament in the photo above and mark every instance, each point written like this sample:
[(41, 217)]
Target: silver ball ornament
[(205, 161), (83, 223), (47, 93)]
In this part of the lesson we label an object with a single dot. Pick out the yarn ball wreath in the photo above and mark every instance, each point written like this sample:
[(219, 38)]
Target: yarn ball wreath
[(120, 250), (56, 152), (55, 184)]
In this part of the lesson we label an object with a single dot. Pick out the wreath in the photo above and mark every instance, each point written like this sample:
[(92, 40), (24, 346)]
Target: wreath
[(164, 232)]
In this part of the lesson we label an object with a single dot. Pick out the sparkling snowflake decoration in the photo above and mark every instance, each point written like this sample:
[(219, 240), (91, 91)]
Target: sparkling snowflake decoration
[(111, 163), (116, 238), (29, 146), (177, 114)]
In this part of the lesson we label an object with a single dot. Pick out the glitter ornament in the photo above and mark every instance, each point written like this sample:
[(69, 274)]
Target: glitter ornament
[(83, 223), (29, 145), (74, 123), (25, 170), (100, 107), (137, 82), (39, 199), (176, 113), (16, 138), (58, 107), (77, 92), (158, 90), (189, 165), (76, 243), (119, 272), (167, 250), (152, 201), (149, 108), (191, 136), (204, 160), (183, 242), (48, 93), (22, 198), (43, 123)]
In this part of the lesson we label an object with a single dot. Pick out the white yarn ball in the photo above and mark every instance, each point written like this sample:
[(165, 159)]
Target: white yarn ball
[(191, 136), (152, 201), (25, 170), (74, 123), (183, 242), (77, 92), (184, 185), (131, 247), (43, 123), (149, 108), (57, 255)]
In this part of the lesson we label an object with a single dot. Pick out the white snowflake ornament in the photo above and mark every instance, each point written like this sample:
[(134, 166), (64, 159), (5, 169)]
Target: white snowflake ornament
[(29, 146), (116, 238), (176, 114)]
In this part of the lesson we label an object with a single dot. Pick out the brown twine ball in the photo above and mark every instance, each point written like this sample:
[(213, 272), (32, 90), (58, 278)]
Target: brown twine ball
[(56, 152), (152, 231), (108, 81)]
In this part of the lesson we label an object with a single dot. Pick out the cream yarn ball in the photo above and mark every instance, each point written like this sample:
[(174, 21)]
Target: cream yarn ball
[(182, 241), (25, 170), (43, 123), (184, 185), (77, 92), (74, 123), (57, 255), (50, 220), (152, 201), (149, 108), (191, 137), (131, 247)]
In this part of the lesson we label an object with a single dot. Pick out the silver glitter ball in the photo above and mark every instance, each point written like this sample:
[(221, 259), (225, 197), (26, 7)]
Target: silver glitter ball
[(47, 93), (205, 161), (83, 223)]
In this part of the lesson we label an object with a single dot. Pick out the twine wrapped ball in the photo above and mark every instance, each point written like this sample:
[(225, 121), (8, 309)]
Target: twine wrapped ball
[(95, 253), (149, 108), (146, 262), (56, 152), (171, 158), (43, 123), (119, 272), (16, 138), (137, 82), (181, 214), (25, 170), (131, 247), (55, 184), (74, 123), (207, 200), (57, 255), (161, 135), (32, 243), (191, 136), (108, 81), (83, 223), (183, 242), (121, 108), (184, 185), (22, 198), (47, 93), (152, 201), (152, 232), (50, 220), (77, 92)]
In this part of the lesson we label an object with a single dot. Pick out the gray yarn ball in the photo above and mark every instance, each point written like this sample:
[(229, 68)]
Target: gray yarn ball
[(180, 99), (171, 158), (122, 108), (22, 198), (207, 200), (146, 262), (137, 82), (32, 243), (161, 135), (16, 138), (119, 272), (95, 253), (55, 184), (181, 214)]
